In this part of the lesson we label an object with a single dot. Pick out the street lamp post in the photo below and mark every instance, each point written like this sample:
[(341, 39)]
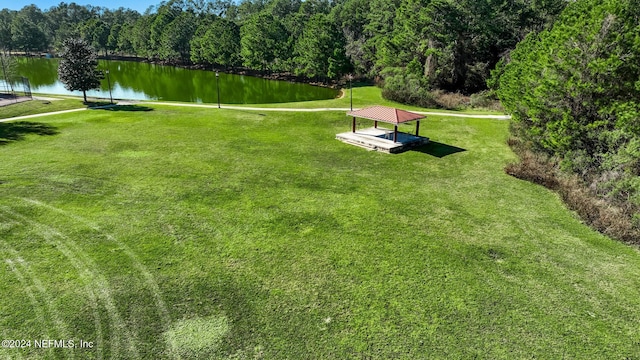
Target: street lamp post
[(218, 87), (109, 82)]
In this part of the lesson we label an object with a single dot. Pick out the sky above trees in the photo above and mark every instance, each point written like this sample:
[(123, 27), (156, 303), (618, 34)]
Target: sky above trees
[(138, 5)]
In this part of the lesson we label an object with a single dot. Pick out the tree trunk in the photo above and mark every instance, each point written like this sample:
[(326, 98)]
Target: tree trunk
[(431, 63), (459, 71), (84, 93)]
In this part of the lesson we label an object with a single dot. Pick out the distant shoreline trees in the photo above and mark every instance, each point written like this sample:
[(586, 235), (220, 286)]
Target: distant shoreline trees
[(442, 44)]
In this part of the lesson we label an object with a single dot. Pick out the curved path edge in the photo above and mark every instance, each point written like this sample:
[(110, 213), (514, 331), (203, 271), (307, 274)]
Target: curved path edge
[(249, 108), (230, 107), (40, 115)]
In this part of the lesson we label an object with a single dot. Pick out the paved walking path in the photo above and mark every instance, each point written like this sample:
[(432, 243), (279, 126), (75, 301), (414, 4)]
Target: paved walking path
[(45, 98), (475, 116), (248, 108), (41, 115), (6, 100)]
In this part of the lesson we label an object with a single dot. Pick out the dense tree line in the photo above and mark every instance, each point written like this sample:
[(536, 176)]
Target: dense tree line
[(574, 92), (445, 44)]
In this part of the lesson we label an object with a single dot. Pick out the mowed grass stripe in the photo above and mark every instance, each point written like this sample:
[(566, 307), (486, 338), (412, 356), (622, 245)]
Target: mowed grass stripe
[(10, 257), (51, 320), (47, 315), (149, 279), (19, 265), (89, 289), (26, 287), (96, 285)]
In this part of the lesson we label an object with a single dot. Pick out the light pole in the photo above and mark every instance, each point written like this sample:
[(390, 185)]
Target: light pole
[(109, 82), (351, 91), (218, 87)]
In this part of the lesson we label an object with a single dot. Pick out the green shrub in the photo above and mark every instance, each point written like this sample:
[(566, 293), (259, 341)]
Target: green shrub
[(406, 87), (450, 101), (571, 86), (485, 99)]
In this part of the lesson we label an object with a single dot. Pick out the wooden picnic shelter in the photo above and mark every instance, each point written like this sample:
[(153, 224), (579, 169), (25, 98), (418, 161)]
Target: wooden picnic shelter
[(388, 115)]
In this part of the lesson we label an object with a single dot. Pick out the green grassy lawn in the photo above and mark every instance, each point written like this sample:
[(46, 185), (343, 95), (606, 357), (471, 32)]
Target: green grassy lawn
[(206, 233), (367, 96), (362, 96), (38, 107)]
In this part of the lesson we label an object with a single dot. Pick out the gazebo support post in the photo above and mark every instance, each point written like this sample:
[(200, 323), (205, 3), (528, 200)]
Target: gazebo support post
[(353, 125), (418, 128), (395, 133), (375, 124)]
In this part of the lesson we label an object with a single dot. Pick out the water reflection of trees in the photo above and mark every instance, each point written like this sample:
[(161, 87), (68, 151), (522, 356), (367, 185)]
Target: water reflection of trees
[(40, 72), (149, 81)]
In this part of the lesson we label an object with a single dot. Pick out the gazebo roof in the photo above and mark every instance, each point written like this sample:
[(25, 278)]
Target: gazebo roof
[(385, 114)]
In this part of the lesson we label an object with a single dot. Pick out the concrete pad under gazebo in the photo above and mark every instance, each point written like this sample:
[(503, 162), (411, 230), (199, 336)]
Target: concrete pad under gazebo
[(381, 139)]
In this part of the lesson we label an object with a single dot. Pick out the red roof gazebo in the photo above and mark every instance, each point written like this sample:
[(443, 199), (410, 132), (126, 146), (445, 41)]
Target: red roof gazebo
[(388, 115)]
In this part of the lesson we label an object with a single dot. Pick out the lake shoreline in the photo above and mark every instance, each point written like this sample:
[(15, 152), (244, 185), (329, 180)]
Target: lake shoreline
[(268, 75), (135, 79)]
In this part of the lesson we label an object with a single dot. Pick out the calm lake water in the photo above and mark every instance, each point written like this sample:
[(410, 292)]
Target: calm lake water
[(142, 81)]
